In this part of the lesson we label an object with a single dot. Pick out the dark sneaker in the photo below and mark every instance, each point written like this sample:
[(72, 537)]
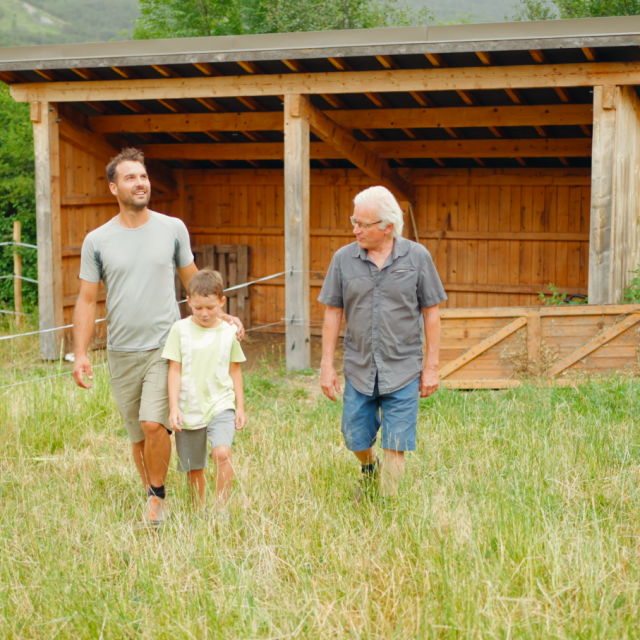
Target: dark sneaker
[(156, 511), (369, 485)]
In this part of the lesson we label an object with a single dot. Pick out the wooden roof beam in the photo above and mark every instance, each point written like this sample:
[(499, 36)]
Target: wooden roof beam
[(333, 100), (354, 151), (468, 98), (590, 54), (342, 65), (10, 77), (207, 69), (588, 74), (516, 96), (539, 56), (536, 148)]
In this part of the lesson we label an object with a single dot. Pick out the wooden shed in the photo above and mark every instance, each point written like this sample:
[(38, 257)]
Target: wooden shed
[(513, 147)]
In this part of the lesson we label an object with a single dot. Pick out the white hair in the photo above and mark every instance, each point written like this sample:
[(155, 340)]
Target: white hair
[(385, 205)]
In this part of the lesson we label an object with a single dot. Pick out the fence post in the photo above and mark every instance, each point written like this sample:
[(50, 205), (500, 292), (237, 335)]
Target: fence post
[(17, 271)]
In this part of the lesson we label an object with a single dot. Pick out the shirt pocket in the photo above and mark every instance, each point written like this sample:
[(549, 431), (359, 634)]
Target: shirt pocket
[(401, 288)]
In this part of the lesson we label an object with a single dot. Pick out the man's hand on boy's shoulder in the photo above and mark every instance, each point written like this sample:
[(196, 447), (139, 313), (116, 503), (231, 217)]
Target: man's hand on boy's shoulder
[(241, 419), (236, 322)]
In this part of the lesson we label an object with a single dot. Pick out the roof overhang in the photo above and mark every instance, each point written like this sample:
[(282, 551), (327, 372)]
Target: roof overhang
[(508, 36)]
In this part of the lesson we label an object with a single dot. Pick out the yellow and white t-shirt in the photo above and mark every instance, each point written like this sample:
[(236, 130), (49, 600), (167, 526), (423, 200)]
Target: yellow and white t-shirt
[(205, 354)]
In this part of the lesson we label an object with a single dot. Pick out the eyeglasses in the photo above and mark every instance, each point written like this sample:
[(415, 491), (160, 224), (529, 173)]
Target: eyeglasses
[(363, 225)]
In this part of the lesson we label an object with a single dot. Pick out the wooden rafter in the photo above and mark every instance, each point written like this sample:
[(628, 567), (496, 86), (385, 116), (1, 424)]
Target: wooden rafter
[(517, 98), (403, 80), (563, 93), (356, 152), (334, 101), (467, 97), (9, 77), (515, 116), (537, 148)]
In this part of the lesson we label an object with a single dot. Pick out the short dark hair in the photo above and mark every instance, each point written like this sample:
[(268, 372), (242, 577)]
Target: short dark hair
[(135, 155), (206, 282)]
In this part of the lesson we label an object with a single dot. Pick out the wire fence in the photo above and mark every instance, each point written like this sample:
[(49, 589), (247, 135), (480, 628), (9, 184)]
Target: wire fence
[(68, 373), (239, 286), (283, 321)]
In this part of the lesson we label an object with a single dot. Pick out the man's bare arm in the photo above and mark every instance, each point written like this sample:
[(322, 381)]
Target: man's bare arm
[(430, 378), (84, 320), (330, 332), (185, 273)]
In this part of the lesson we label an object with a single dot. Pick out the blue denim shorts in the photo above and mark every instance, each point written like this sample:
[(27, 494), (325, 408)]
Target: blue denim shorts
[(396, 413)]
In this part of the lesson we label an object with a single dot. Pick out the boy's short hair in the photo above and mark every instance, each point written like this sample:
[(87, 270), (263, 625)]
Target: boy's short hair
[(206, 282), (135, 155)]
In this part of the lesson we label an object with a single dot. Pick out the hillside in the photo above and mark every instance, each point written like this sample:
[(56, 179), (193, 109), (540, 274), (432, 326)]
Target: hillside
[(478, 10), (59, 21)]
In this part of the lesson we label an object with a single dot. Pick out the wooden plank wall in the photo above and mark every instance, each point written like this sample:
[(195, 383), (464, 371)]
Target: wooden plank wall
[(487, 256)]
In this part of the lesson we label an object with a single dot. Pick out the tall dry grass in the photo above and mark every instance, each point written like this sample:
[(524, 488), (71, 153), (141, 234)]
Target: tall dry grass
[(519, 518)]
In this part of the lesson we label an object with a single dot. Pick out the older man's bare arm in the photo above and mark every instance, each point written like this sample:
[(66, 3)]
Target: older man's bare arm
[(430, 379), (330, 332)]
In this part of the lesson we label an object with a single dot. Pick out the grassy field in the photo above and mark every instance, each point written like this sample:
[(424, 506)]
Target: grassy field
[(519, 519)]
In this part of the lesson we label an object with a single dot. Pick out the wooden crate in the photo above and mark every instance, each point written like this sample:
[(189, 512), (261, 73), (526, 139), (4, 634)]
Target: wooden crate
[(498, 348), (232, 261)]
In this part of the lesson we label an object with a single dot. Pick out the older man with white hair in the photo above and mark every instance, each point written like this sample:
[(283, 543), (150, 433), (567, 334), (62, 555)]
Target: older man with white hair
[(388, 290)]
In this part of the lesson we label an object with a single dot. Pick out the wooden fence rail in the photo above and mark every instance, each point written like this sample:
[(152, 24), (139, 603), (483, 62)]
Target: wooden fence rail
[(497, 348)]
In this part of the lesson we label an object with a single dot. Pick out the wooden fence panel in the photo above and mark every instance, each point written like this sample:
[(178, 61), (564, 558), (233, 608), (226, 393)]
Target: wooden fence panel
[(500, 347)]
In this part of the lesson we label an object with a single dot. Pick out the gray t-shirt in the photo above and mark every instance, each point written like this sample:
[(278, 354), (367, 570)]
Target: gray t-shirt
[(383, 311), (138, 269)]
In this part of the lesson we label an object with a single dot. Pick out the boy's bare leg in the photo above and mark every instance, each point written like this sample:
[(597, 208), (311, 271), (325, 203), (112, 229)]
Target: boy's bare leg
[(157, 452), (392, 471), (222, 458), (137, 449), (196, 486)]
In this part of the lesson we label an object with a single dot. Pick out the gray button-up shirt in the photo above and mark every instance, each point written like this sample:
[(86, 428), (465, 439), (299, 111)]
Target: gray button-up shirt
[(383, 310)]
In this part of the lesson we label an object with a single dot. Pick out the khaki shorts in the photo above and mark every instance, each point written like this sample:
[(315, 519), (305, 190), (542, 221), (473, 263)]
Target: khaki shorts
[(139, 384)]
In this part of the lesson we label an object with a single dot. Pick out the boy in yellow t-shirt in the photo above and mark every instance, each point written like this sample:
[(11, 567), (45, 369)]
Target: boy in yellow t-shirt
[(206, 399)]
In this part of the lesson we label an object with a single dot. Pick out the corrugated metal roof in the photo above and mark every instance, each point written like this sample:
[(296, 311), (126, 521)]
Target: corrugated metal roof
[(553, 34)]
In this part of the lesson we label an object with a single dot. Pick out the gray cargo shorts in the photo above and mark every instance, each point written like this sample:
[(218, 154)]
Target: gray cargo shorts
[(192, 445)]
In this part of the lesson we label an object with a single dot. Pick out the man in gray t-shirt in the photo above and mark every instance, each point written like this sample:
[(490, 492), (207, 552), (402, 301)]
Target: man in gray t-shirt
[(136, 255), (387, 289)]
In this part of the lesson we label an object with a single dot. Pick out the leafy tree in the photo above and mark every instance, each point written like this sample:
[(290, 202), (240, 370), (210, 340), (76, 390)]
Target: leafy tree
[(192, 18), (551, 9), (17, 195), (184, 18)]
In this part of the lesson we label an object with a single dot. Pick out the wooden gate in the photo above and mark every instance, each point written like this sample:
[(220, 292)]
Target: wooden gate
[(232, 261), (498, 348)]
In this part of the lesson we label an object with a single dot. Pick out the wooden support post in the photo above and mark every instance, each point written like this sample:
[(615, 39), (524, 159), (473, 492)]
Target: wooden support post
[(296, 233), (47, 163), (17, 272), (534, 336), (614, 248)]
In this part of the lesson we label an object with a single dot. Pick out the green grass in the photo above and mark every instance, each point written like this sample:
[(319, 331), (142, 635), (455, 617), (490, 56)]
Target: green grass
[(519, 518)]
